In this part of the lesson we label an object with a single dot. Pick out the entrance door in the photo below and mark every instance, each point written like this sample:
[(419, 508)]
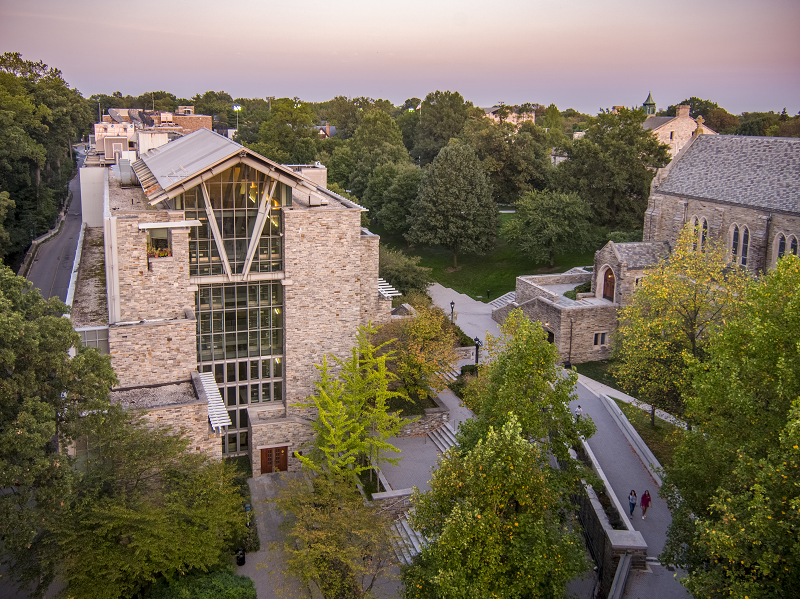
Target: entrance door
[(608, 285), (274, 459)]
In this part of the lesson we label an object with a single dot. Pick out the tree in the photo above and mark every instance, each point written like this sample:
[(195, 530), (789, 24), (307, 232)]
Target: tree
[(288, 135), (515, 159), (441, 118), (377, 141), (6, 204), (353, 423), (674, 311), (549, 223), (697, 108), (390, 193), (403, 272), (552, 119), (142, 509), (424, 348), (493, 514), (612, 167), (721, 121), (454, 207), (333, 543), (225, 584), (43, 393), (734, 486)]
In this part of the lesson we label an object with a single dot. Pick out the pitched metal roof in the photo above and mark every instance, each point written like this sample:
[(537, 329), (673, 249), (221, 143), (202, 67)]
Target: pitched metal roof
[(641, 254), (763, 172), (649, 100), (654, 122)]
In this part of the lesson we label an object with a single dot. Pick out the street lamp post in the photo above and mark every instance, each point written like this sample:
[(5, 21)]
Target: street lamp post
[(478, 346), (452, 308), (236, 109)]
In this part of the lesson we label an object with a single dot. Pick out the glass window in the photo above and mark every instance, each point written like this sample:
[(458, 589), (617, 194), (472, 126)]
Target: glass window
[(277, 370), (265, 392), (735, 242), (243, 441), (277, 388), (243, 395), (231, 368), (793, 246), (254, 394), (231, 396), (242, 371), (781, 246), (242, 417), (745, 244), (219, 373), (232, 442), (254, 370)]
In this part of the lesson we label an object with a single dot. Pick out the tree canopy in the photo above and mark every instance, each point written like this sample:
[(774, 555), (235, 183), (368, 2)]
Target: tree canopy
[(734, 486), (454, 207), (612, 167), (441, 118), (548, 223), (673, 314)]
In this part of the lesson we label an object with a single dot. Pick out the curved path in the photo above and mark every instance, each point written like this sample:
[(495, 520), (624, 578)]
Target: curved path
[(52, 267)]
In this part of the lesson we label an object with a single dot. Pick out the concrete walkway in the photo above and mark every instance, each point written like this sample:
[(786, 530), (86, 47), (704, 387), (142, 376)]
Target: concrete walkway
[(474, 317), (625, 471)]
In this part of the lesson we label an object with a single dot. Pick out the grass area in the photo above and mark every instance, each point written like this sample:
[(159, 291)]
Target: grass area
[(410, 408), (661, 439), (495, 272), (598, 371)]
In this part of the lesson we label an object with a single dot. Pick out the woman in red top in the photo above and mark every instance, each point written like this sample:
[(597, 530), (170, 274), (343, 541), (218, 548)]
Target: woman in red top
[(645, 501)]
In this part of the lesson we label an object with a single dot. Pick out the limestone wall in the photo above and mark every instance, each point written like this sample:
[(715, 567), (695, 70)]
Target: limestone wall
[(433, 419), (374, 307), (193, 418), (666, 216), (323, 303), (151, 353), (158, 287), (296, 433)]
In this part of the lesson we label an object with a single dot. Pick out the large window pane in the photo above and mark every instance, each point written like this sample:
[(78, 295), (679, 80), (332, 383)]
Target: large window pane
[(277, 368)]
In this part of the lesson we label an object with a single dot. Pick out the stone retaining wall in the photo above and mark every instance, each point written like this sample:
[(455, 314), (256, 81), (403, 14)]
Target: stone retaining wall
[(395, 503), (296, 433), (193, 418), (433, 419)]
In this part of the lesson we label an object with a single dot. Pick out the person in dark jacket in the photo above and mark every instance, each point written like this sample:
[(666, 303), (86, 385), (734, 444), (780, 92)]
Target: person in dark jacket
[(646, 500)]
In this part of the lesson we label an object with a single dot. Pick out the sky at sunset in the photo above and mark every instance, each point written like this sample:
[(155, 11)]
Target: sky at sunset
[(584, 54)]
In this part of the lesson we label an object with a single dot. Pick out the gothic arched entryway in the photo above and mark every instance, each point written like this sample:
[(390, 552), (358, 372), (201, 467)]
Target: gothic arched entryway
[(608, 285)]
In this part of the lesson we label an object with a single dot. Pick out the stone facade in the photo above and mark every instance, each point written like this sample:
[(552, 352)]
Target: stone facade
[(271, 431), (433, 419), (675, 131), (193, 420), (152, 288), (153, 352)]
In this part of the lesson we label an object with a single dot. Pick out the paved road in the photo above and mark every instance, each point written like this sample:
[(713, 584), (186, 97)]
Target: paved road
[(52, 268), (474, 317)]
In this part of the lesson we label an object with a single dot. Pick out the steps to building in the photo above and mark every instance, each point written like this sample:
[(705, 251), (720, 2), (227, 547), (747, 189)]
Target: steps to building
[(443, 438), (503, 300)]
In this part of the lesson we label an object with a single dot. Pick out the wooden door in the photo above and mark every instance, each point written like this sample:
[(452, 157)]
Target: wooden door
[(281, 459), (266, 461), (274, 459), (608, 285)]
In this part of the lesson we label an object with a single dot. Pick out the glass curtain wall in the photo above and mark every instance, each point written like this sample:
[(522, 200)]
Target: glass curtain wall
[(239, 325)]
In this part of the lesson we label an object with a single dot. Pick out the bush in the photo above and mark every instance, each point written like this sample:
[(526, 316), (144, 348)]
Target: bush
[(223, 584), (248, 539), (403, 272), (582, 288)]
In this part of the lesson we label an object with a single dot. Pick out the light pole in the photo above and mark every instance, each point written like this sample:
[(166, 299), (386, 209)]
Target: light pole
[(569, 357), (452, 308), (478, 346), (236, 109)]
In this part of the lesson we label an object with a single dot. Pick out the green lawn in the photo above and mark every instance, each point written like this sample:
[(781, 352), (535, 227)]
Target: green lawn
[(661, 439), (598, 371), (496, 272)]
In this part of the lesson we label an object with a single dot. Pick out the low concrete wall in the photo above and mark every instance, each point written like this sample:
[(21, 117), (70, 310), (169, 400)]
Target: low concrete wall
[(394, 503)]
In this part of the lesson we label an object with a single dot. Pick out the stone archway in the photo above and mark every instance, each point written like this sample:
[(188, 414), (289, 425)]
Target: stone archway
[(609, 284)]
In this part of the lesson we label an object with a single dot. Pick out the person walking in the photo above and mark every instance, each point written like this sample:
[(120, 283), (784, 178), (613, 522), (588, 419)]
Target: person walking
[(578, 414), (646, 500), (632, 500)]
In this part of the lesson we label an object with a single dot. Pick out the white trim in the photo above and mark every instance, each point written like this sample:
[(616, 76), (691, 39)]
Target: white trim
[(259, 225), (73, 280), (239, 278), (212, 222), (284, 444), (175, 224)]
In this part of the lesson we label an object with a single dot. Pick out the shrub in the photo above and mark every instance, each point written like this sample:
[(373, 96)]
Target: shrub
[(582, 288), (223, 584), (403, 272)]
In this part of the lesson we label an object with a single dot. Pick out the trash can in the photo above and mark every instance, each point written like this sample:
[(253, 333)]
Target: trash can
[(240, 559)]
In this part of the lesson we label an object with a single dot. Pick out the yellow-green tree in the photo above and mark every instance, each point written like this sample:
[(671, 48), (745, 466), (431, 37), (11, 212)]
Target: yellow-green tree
[(734, 486), (675, 309)]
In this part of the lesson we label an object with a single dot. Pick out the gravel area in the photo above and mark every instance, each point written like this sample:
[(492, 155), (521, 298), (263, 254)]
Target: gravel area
[(124, 198), (90, 305), (154, 397)]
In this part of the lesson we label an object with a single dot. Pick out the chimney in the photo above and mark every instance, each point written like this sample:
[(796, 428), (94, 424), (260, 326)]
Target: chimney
[(684, 110), (616, 109), (328, 129)]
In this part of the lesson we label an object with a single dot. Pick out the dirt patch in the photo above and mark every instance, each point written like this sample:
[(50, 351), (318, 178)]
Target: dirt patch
[(547, 270), (90, 305), (451, 269)]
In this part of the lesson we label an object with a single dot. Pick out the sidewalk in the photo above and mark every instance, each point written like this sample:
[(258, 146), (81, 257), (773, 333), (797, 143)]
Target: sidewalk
[(474, 317), (625, 471)]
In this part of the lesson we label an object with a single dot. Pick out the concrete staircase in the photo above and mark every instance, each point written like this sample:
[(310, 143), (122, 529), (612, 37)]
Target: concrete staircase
[(503, 300), (450, 375), (443, 438), (407, 542)]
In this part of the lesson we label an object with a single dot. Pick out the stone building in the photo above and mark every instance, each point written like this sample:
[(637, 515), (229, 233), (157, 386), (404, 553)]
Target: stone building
[(742, 190), (234, 272)]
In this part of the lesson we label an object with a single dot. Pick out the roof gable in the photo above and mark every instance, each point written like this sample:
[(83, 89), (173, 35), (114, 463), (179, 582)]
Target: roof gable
[(763, 172)]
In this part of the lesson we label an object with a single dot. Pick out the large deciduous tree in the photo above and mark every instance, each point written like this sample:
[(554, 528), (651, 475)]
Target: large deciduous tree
[(612, 167), (288, 135), (734, 486), (673, 314), (441, 118), (454, 207), (493, 514), (403, 272), (376, 142), (548, 223)]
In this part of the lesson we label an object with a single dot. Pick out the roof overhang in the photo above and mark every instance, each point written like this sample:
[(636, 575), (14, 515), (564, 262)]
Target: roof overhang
[(174, 224)]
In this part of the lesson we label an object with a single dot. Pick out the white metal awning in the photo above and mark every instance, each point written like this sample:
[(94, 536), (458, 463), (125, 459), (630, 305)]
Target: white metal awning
[(217, 413), (387, 290), (170, 224)]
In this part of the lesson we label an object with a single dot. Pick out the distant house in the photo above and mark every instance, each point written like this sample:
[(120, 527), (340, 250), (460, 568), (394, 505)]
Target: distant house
[(674, 131), (326, 130)]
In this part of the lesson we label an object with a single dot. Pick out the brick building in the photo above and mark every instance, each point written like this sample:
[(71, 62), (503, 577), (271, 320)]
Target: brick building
[(742, 190), (232, 272)]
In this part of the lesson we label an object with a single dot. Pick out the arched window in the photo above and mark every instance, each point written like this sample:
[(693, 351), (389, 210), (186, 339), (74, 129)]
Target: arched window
[(735, 243), (793, 246), (704, 235), (781, 246), (745, 245)]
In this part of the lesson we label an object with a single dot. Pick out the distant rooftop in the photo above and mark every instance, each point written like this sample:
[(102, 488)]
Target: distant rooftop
[(90, 304)]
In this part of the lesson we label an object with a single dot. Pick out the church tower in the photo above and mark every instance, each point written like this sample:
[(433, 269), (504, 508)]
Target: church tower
[(649, 105)]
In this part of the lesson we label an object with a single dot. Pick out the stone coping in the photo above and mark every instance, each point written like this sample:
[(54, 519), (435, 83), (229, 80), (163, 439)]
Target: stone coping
[(392, 494), (154, 397)]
